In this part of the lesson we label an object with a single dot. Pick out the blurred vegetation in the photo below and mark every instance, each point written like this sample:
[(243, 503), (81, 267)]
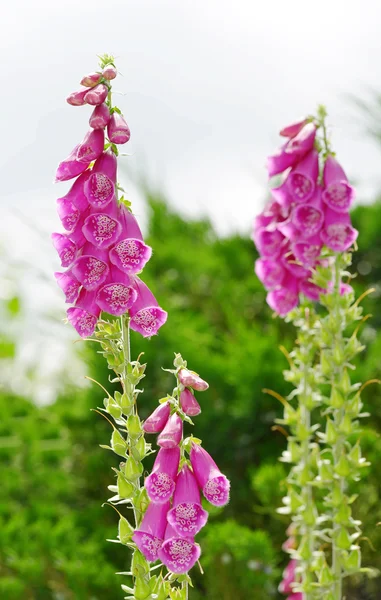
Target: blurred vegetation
[(54, 476)]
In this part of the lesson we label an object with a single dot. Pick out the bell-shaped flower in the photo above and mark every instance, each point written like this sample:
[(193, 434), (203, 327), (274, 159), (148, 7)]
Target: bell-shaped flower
[(149, 536), (288, 578), (189, 404), (67, 250), (338, 193), (91, 268), (337, 233), (146, 315), (109, 72), (96, 95), (309, 217), (293, 266), (301, 181), (117, 295), (187, 516), (214, 485), (77, 234), (285, 298), (280, 161), (100, 186), (68, 213), (117, 129), (291, 152), (311, 290), (293, 129), (77, 98), (130, 254), (91, 146), (160, 484), (172, 433), (76, 193), (69, 285), (270, 272), (193, 380), (101, 230), (269, 242), (307, 252), (84, 315), (91, 80), (177, 553), (282, 196), (70, 167), (100, 117), (158, 419)]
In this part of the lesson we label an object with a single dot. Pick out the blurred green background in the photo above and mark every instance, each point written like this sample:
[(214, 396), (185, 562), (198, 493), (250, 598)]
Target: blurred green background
[(54, 476)]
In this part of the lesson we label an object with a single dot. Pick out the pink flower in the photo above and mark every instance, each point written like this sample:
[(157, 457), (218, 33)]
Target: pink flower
[(84, 315), (69, 285), (269, 242), (311, 290), (338, 194), (270, 272), (293, 129), (338, 233), (146, 315), (214, 485), (160, 484), (309, 217), (70, 167), (100, 117), (68, 213), (76, 193), (307, 252), (91, 268), (301, 181), (97, 95), (109, 72), (91, 80), (91, 146), (289, 577), (187, 516), (67, 250), (158, 419), (293, 267), (177, 553), (77, 98), (172, 433), (291, 152), (189, 404), (284, 299), (117, 294), (117, 129), (101, 230), (191, 379), (99, 188), (282, 196), (149, 536)]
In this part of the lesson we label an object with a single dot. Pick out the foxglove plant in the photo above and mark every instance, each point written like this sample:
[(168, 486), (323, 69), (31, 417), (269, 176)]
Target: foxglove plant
[(305, 239), (103, 252)]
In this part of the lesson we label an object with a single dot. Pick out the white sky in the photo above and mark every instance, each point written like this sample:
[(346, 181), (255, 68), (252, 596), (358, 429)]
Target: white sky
[(207, 85)]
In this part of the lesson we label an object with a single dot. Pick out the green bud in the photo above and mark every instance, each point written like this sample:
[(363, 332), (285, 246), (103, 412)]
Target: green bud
[(325, 471), (294, 500), (304, 550), (354, 405), (325, 575), (134, 427), (353, 560), (139, 565), (326, 363), (345, 383), (126, 404), (142, 589), (346, 425), (138, 451), (353, 347), (125, 531), (133, 469), (302, 432), (309, 515), (337, 495), (355, 455), (337, 400), (141, 500), (331, 433), (295, 450), (113, 409), (343, 467), (343, 515), (304, 476), (343, 539), (118, 443), (125, 488)]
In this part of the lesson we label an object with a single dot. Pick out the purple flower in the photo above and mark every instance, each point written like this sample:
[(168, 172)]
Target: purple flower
[(214, 485), (187, 516), (294, 268), (177, 553), (69, 285), (117, 129), (77, 98), (67, 250), (149, 536), (269, 242), (117, 295), (282, 196), (130, 254), (284, 299), (309, 251), (84, 315), (311, 290), (189, 404), (158, 419), (160, 484), (91, 146), (77, 234), (338, 194), (301, 181), (291, 152), (76, 193), (100, 185), (70, 167), (146, 315), (270, 272), (97, 95), (172, 433), (288, 578), (109, 72), (309, 217), (101, 230), (338, 233), (91, 268), (68, 213), (191, 379), (293, 129), (91, 80), (99, 117)]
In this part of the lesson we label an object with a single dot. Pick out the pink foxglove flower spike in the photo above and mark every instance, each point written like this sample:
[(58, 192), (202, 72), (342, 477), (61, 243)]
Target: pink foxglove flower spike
[(214, 485), (160, 484), (187, 516), (149, 537), (179, 554)]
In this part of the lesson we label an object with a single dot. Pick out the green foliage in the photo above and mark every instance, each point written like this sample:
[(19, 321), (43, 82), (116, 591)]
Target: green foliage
[(53, 529)]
